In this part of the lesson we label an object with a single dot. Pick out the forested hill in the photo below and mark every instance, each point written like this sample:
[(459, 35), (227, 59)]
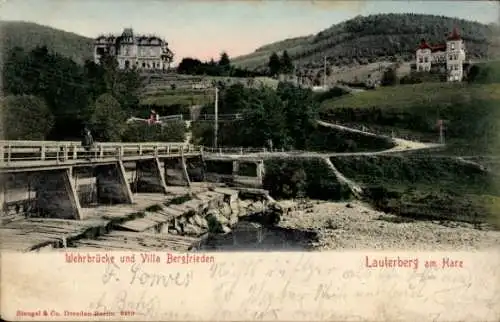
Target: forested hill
[(30, 35), (379, 37)]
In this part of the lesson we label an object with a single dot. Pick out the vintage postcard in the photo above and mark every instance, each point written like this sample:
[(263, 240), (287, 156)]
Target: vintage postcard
[(234, 160)]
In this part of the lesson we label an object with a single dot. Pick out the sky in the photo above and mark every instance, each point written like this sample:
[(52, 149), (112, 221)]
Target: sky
[(205, 28)]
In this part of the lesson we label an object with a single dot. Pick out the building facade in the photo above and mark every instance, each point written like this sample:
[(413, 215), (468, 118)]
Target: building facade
[(448, 58), (134, 51)]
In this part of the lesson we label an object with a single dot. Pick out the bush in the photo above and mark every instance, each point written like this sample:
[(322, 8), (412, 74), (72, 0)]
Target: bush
[(169, 132), (108, 119), (25, 117), (296, 178)]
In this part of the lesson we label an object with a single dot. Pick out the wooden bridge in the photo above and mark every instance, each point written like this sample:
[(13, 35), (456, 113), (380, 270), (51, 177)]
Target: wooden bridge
[(25, 155), (61, 178)]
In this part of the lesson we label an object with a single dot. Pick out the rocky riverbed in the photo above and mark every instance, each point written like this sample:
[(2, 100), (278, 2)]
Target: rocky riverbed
[(353, 225)]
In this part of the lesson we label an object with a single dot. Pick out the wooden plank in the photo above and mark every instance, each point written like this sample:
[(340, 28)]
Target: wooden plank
[(167, 237), (138, 224), (110, 245)]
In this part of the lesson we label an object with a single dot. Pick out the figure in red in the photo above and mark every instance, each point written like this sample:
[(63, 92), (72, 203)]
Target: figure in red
[(153, 117)]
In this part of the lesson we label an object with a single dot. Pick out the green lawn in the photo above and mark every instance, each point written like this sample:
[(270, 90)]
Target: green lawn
[(470, 112), (427, 185), (424, 187), (168, 97)]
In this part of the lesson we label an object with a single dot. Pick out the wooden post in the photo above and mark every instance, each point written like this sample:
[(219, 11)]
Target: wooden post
[(120, 152), (2, 154), (42, 153)]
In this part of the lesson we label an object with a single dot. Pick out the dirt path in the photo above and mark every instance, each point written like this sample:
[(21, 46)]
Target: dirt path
[(400, 144), (343, 226)]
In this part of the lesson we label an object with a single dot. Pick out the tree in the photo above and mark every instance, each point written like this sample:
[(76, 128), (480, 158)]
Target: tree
[(274, 64), (225, 64), (286, 63), (300, 113), (108, 119), (189, 65), (389, 78), (224, 60), (26, 117)]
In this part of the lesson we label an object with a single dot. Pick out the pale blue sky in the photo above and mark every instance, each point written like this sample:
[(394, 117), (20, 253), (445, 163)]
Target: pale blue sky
[(204, 28)]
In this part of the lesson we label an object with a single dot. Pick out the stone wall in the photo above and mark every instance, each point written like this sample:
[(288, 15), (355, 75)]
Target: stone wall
[(215, 212)]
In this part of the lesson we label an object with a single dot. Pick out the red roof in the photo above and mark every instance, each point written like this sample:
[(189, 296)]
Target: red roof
[(424, 45), (455, 35), (440, 47)]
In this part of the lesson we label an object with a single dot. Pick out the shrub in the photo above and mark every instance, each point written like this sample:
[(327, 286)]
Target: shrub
[(25, 117)]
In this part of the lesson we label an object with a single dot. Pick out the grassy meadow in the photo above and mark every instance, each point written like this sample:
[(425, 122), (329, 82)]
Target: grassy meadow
[(428, 185)]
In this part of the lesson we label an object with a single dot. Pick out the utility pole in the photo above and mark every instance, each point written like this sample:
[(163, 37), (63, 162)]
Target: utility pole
[(324, 72), (216, 118), (441, 132)]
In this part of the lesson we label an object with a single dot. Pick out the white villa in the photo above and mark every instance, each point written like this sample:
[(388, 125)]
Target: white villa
[(448, 57), (139, 51)]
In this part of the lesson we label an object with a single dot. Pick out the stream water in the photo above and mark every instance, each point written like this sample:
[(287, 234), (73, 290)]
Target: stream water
[(249, 236)]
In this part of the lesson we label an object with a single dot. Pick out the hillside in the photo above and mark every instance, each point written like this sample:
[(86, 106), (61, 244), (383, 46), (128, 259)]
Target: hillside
[(469, 111), (30, 35), (381, 37)]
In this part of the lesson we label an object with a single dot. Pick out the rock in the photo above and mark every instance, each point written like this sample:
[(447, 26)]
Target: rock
[(235, 210), (233, 219), (191, 229), (226, 229), (226, 210), (178, 226), (200, 221), (165, 229), (216, 221), (257, 206), (349, 205), (172, 231)]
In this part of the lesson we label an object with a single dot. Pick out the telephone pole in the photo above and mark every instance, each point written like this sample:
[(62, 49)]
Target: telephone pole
[(216, 116), (324, 72), (441, 132)]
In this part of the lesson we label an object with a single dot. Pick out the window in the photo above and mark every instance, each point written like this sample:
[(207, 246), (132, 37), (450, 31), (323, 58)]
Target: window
[(452, 45), (420, 60), (426, 59), (143, 65)]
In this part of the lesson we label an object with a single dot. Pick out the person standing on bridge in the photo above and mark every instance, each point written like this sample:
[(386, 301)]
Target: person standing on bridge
[(87, 143)]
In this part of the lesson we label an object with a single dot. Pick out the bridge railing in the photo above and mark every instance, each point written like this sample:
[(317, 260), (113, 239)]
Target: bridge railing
[(220, 117), (15, 151), (240, 150)]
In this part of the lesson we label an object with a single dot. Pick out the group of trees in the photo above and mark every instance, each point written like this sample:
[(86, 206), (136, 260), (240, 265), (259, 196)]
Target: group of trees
[(223, 67), (49, 96), (382, 37), (286, 117), (277, 65)]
